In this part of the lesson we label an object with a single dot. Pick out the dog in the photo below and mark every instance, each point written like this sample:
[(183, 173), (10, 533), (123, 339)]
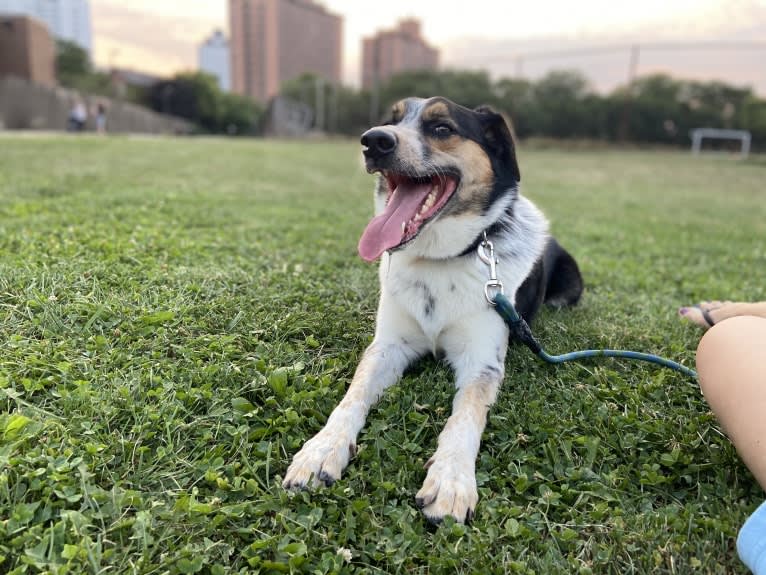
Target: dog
[(447, 175)]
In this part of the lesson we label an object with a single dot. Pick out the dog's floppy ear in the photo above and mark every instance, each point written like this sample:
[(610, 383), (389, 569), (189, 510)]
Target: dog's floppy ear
[(499, 139)]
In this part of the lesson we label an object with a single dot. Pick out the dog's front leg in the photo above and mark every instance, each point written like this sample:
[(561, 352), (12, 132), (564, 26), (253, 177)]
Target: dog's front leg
[(323, 457), (477, 354)]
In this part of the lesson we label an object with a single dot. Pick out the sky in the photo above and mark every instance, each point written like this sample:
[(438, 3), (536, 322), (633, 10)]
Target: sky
[(162, 36)]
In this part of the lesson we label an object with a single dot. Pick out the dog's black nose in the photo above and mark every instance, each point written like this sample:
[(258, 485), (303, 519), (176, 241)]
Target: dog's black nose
[(378, 143)]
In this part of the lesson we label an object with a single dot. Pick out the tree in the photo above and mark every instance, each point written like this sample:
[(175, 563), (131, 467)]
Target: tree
[(196, 97), (564, 106), (71, 61), (74, 70), (470, 88), (752, 117), (345, 111), (516, 98), (238, 115), (653, 109)]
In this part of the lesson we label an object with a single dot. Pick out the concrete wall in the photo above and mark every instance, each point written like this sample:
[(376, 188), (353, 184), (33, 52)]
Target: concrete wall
[(28, 106)]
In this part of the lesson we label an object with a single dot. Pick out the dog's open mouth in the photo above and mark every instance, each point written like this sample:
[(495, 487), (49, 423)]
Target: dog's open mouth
[(410, 204)]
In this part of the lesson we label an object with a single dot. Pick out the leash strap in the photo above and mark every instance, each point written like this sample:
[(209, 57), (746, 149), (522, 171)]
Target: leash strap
[(521, 331)]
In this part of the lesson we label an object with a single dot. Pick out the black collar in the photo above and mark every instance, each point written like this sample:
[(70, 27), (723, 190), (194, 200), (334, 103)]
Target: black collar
[(490, 231)]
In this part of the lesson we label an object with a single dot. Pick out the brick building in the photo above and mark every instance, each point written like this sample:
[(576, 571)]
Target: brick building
[(273, 41), (27, 50), (397, 50), (65, 19)]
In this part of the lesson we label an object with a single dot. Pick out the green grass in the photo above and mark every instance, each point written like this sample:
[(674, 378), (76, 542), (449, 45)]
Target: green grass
[(178, 316)]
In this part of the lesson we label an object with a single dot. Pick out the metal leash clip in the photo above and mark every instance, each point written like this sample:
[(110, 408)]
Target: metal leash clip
[(486, 253)]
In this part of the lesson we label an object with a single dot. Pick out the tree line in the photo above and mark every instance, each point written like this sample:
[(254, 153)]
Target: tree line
[(655, 109)]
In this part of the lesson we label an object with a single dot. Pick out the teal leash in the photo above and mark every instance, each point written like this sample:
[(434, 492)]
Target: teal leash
[(520, 329)]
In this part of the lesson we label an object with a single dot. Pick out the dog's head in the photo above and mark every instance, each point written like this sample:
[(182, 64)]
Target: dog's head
[(446, 174)]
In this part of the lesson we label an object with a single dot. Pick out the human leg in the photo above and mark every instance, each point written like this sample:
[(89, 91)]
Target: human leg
[(731, 363)]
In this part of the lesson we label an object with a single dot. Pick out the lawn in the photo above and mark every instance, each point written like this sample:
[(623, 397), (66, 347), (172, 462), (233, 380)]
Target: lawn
[(178, 316)]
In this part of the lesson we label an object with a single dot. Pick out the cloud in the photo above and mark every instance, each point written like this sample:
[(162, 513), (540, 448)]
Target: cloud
[(140, 38), (674, 46)]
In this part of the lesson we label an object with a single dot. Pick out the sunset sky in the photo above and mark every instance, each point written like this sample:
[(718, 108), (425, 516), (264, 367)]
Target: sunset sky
[(162, 36)]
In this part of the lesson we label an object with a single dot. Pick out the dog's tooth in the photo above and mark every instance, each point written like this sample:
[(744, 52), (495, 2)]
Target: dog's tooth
[(404, 225)]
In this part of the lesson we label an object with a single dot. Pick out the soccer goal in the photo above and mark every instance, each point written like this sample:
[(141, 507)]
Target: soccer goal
[(717, 134)]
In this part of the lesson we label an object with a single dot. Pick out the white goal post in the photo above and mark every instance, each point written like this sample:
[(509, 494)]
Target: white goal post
[(717, 134)]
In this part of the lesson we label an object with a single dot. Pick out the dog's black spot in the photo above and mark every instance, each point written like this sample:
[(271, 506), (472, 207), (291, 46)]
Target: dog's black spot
[(404, 341), (428, 297), (429, 307), (452, 287), (491, 371)]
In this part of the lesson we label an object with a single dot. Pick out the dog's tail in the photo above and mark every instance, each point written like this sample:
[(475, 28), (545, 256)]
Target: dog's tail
[(563, 281)]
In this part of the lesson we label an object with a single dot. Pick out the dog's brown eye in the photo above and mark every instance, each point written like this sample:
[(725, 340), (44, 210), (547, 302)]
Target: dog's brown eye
[(442, 130)]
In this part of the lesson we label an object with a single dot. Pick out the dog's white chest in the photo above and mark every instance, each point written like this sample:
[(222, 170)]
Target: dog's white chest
[(434, 294)]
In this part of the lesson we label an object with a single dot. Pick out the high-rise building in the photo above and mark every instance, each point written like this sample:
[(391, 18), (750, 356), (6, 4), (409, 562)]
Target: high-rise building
[(26, 50), (397, 50), (65, 19), (214, 58), (273, 41)]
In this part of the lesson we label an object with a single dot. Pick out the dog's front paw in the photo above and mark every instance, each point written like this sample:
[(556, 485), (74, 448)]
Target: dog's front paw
[(321, 460), (449, 489)]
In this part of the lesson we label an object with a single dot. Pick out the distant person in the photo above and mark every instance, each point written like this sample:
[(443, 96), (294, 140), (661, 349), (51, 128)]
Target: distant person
[(731, 366), (101, 118), (78, 116)]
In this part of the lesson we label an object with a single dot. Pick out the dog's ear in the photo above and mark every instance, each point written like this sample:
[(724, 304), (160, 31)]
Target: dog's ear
[(499, 139)]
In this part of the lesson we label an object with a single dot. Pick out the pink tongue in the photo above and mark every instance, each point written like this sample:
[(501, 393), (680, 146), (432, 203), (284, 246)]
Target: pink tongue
[(385, 231)]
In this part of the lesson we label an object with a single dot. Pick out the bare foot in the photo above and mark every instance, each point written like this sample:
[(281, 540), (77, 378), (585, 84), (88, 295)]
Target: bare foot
[(709, 313), (702, 314)]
